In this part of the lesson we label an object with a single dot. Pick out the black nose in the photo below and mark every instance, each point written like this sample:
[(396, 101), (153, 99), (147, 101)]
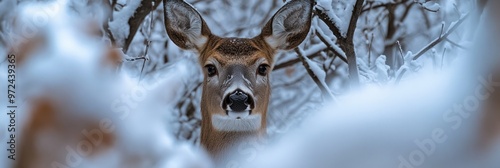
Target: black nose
[(238, 101)]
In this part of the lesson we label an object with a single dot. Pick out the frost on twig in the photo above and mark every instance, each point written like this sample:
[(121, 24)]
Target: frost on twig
[(316, 73)]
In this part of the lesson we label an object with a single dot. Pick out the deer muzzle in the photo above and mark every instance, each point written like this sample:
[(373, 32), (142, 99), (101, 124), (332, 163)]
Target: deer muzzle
[(238, 104)]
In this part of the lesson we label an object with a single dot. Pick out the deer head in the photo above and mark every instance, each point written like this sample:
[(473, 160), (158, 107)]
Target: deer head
[(236, 87)]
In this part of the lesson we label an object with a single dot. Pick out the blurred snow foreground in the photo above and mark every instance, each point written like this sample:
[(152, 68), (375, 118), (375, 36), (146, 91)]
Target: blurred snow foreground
[(76, 110)]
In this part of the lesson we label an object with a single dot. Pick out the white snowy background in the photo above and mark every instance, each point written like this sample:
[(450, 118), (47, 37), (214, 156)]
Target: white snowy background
[(410, 55)]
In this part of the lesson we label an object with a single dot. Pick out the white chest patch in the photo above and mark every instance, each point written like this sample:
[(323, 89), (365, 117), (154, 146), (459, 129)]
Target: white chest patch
[(227, 123)]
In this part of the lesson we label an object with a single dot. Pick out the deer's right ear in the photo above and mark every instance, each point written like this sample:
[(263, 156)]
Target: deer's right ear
[(184, 25), (289, 26)]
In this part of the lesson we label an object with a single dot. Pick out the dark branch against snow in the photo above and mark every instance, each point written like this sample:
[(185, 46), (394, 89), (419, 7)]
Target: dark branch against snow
[(137, 18), (316, 73)]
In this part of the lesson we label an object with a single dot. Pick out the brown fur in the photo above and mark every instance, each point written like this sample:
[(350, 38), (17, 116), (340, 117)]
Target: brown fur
[(46, 117), (242, 50), (223, 50)]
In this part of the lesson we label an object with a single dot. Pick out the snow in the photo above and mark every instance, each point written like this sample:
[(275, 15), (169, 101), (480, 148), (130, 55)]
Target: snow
[(314, 49), (371, 127), (431, 6), (326, 6), (119, 25), (4, 14), (318, 72), (390, 134), (331, 43), (69, 70), (382, 68)]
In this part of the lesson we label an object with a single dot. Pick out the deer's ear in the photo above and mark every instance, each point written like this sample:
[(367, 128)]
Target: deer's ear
[(184, 25), (289, 26)]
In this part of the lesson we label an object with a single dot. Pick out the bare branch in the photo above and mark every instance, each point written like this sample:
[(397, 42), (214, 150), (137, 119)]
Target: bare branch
[(294, 61), (147, 35), (455, 44), (328, 21), (401, 50), (136, 20), (313, 54), (441, 38), (354, 19), (346, 43), (370, 51)]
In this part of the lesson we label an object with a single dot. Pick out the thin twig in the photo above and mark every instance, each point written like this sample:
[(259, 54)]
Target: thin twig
[(457, 11), (147, 40), (400, 76), (442, 30), (370, 51), (441, 38), (401, 50), (407, 11), (135, 59), (144, 60), (294, 61), (314, 52), (189, 91), (455, 44), (331, 63), (151, 26), (291, 82)]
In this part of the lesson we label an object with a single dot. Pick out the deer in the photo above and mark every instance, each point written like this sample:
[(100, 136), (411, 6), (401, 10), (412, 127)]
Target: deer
[(236, 87)]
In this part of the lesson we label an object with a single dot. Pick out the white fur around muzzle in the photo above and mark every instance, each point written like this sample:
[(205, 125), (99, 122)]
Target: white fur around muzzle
[(228, 123)]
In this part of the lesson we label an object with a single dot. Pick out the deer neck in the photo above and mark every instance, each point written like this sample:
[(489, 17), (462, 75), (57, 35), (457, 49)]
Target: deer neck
[(217, 143)]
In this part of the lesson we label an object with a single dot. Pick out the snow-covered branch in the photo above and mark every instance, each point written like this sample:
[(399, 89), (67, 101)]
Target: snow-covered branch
[(316, 73), (331, 45), (323, 15), (126, 22), (346, 43)]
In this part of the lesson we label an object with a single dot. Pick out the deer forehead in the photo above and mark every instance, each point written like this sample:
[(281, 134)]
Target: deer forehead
[(228, 51)]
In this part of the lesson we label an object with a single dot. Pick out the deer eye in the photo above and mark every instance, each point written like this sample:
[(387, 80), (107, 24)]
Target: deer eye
[(262, 70), (211, 70)]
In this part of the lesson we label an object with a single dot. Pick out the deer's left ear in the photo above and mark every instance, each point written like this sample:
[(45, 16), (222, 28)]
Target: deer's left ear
[(184, 25), (289, 26)]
